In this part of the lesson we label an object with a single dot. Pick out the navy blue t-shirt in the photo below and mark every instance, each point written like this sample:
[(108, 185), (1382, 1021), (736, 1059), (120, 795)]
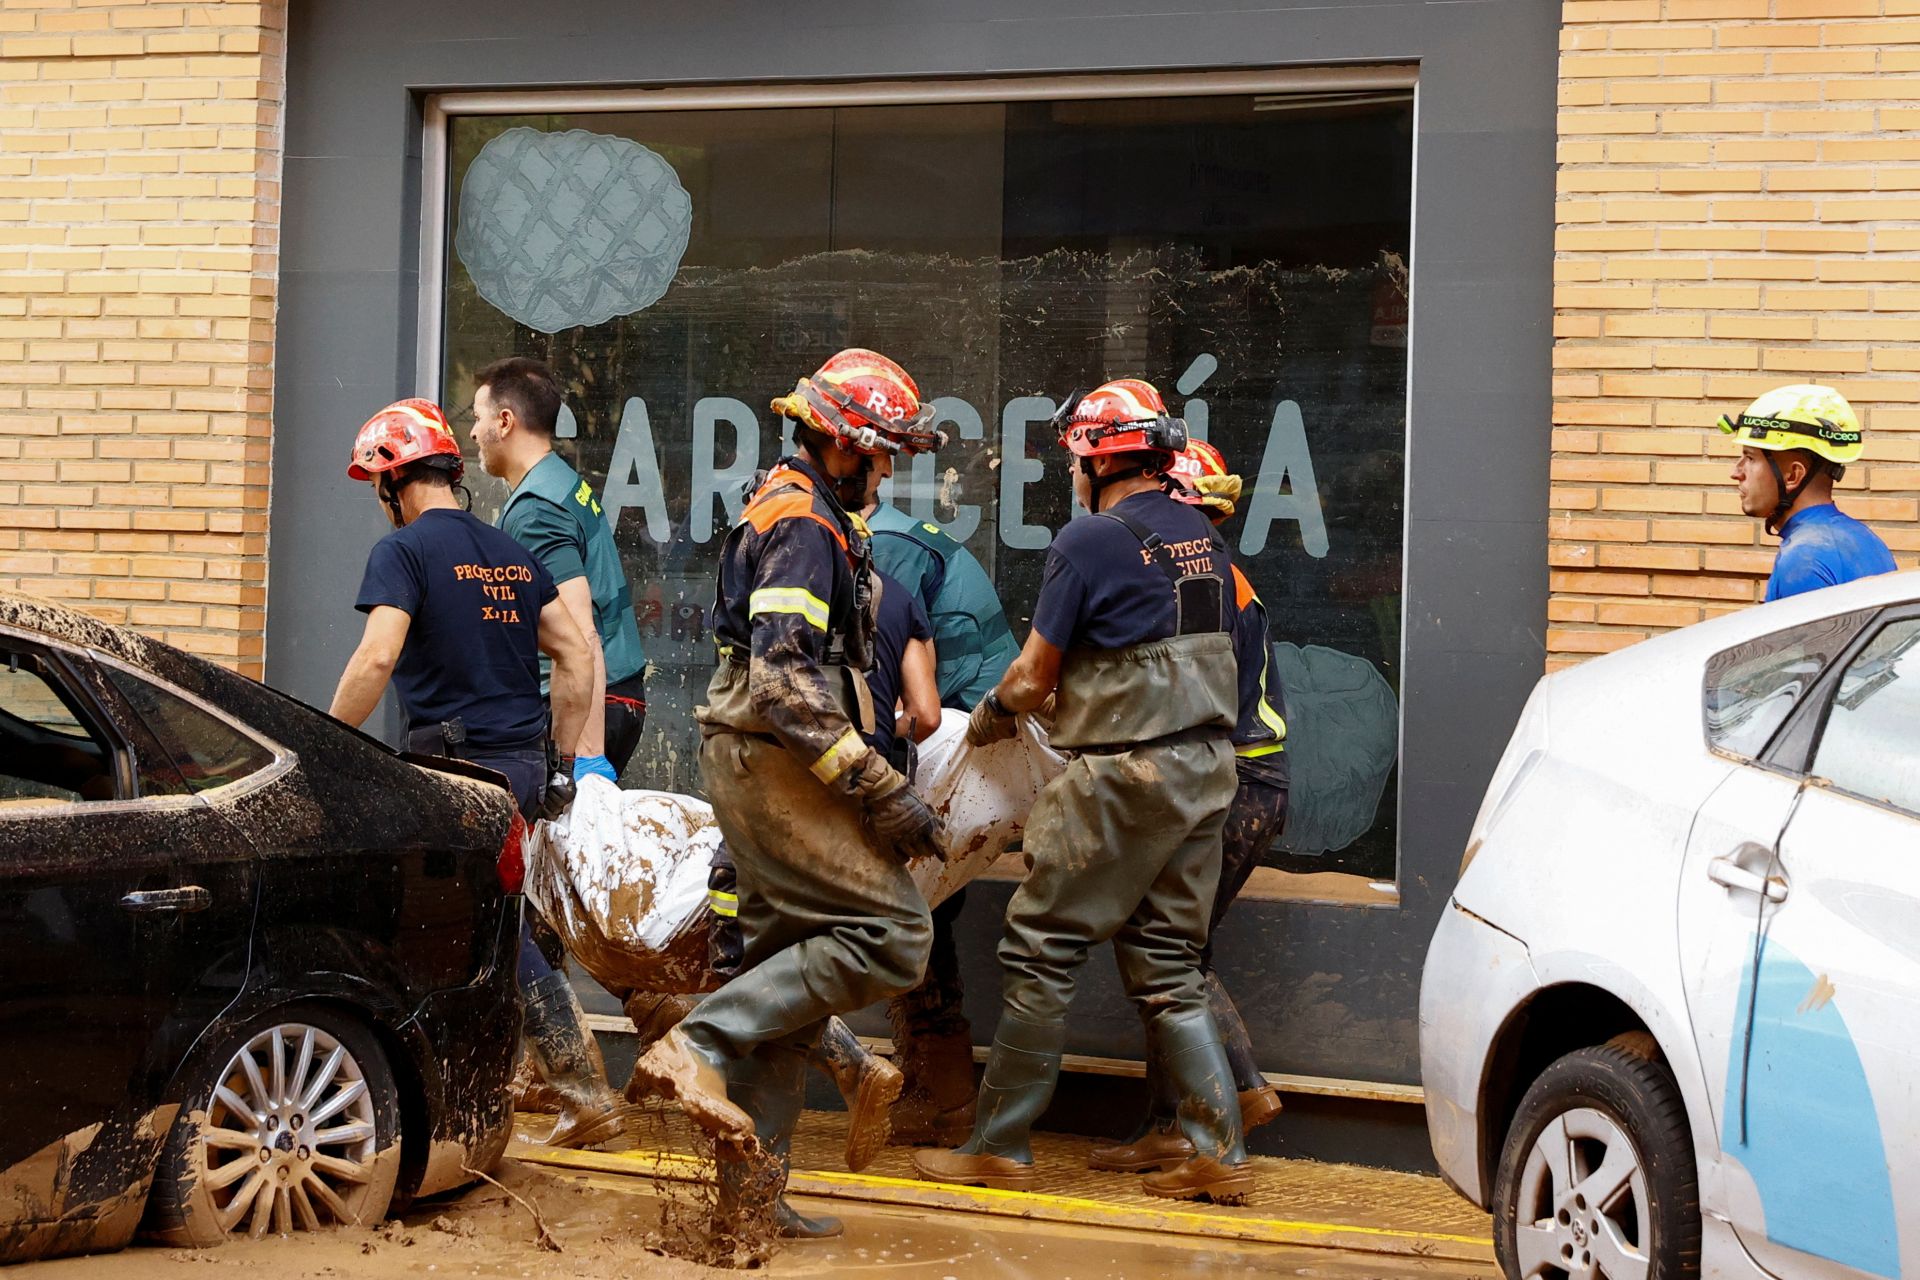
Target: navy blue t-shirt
[(1101, 591), (901, 619), (473, 647)]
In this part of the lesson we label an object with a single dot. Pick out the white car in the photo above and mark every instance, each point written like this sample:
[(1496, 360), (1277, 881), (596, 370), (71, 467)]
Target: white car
[(1601, 1069)]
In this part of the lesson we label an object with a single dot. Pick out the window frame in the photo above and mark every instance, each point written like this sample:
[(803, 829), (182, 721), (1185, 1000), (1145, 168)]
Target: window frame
[(1782, 752), (107, 708), (82, 700), (1813, 726)]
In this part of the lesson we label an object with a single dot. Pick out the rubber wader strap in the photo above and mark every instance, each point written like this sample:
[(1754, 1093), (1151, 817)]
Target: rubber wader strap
[(1207, 589)]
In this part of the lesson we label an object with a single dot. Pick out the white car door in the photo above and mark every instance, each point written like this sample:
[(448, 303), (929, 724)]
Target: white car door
[(1805, 867)]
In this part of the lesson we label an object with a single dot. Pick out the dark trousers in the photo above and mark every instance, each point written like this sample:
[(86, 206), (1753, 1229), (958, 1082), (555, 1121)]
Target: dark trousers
[(626, 719), (1254, 820), (526, 771)]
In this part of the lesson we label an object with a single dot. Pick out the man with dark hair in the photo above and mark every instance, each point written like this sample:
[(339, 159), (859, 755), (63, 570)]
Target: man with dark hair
[(1796, 443), (554, 514), (458, 614)]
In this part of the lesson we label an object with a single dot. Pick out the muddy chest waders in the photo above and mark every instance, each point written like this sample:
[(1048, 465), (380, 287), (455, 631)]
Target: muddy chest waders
[(1125, 846)]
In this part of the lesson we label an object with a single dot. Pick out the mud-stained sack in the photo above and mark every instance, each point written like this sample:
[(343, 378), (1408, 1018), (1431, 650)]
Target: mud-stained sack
[(982, 793), (622, 875), (1343, 736)]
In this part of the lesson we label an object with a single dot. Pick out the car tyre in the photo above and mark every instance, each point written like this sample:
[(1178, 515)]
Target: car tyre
[(292, 1122), (1597, 1175)]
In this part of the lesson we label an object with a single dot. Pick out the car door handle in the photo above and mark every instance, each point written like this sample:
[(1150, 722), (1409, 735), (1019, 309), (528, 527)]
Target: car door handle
[(1731, 875), (189, 897)]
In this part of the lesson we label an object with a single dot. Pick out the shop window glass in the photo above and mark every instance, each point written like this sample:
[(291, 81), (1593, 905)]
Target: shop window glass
[(1247, 254)]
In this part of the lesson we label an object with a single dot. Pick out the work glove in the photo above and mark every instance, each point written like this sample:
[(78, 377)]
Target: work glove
[(558, 795), (991, 722), (902, 820), (600, 765)]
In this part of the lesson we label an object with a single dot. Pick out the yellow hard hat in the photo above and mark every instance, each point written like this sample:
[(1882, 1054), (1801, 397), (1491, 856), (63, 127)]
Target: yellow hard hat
[(1803, 416)]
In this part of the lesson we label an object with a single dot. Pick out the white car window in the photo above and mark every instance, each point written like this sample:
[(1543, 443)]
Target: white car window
[(1870, 746), (1751, 687)]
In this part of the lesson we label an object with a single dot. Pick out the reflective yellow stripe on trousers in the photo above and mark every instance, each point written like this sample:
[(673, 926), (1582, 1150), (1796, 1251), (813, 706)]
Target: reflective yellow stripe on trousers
[(723, 904)]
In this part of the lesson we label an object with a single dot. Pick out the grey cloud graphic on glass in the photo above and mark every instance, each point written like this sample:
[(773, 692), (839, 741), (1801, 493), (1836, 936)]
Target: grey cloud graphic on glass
[(574, 228)]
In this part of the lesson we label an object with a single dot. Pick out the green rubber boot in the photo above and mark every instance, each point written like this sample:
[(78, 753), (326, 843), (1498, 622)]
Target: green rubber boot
[(1022, 1068), (1196, 1063), (770, 1086)]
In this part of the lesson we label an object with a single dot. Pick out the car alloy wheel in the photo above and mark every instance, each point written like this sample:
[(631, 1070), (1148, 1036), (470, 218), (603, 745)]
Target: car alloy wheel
[(1583, 1202), (289, 1137)]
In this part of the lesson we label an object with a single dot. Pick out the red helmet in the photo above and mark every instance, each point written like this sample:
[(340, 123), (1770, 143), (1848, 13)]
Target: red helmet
[(1201, 479), (1123, 416), (405, 431), (866, 402)]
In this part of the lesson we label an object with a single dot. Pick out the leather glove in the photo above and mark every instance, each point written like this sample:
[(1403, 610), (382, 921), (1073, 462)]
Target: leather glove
[(902, 820), (991, 722), (584, 765), (558, 795)]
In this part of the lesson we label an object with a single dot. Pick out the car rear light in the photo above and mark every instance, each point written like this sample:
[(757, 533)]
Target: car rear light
[(512, 864)]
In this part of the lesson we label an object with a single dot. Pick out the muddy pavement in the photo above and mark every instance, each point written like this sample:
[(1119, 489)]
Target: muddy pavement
[(603, 1224)]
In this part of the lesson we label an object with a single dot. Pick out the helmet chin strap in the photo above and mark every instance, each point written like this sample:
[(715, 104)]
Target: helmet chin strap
[(390, 495), (1787, 498), (1097, 483)]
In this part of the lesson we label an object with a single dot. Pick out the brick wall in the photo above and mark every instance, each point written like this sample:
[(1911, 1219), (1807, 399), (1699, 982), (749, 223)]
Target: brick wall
[(139, 193), (1739, 207)]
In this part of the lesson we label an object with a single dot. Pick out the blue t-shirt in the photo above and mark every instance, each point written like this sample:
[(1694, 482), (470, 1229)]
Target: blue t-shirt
[(901, 619), (1823, 546), (1101, 591), (473, 647)]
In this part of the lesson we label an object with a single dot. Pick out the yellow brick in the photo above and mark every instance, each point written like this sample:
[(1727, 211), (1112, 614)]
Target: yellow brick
[(1714, 121), (1870, 210), (1579, 123), (1712, 356), (1602, 470), (1771, 210), (1666, 210), (1878, 329), (1820, 178), (1577, 11), (1709, 297), (1873, 33), (1731, 239), (1824, 63), (1670, 559), (1765, 269), (1649, 614), (1664, 36), (1602, 357), (1746, 91), (1714, 10), (1711, 179), (1674, 444), (1658, 151), (1619, 297), (1655, 326), (36, 47), (1601, 415), (1566, 640), (1603, 239), (1762, 327), (1635, 93), (1716, 64), (1815, 360), (1621, 268), (1769, 34), (1816, 240), (1652, 386), (1829, 121)]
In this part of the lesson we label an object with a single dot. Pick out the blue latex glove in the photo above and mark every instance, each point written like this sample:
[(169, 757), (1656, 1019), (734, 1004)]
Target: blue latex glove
[(584, 765)]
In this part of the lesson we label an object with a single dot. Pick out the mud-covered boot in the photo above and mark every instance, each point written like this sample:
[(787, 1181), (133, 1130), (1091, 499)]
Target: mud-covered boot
[(1158, 1143), (868, 1083), (530, 1092), (1209, 1114), (1022, 1068), (1259, 1101), (567, 1057), (677, 1068), (653, 1014), (937, 1103), (768, 1086)]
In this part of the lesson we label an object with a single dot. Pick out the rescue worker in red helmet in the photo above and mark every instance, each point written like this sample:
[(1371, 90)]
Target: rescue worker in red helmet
[(1131, 636), (1200, 478), (458, 614), (819, 823)]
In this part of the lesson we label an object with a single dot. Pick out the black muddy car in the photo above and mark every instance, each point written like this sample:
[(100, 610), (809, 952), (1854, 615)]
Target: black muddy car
[(256, 970)]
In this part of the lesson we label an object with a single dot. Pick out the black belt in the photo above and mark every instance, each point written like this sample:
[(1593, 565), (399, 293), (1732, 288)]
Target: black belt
[(449, 738), (1199, 733)]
